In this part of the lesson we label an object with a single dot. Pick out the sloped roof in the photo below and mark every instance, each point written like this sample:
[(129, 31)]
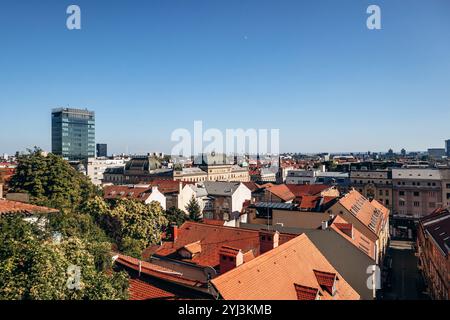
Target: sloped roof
[(300, 190), (220, 188), (273, 275), (212, 238), (127, 192), (282, 192), (371, 213), (437, 225), (8, 207)]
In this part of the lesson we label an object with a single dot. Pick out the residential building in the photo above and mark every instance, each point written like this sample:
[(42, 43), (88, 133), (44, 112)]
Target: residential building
[(445, 176), (114, 175), (295, 270), (143, 193), (102, 150), (348, 260), (190, 175), (416, 193), (433, 246), (73, 133), (363, 222), (96, 167), (374, 184), (145, 169), (198, 251)]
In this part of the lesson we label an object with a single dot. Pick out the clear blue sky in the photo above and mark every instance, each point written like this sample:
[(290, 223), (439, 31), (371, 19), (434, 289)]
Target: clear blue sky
[(310, 68)]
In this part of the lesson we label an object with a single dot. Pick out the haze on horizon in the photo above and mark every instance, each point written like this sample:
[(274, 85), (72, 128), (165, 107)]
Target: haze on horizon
[(309, 68)]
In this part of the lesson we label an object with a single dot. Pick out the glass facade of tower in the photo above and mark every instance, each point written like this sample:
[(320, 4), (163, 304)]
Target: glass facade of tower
[(447, 147), (73, 133)]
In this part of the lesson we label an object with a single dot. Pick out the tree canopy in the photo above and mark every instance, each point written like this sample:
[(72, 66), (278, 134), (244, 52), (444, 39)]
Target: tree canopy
[(131, 224), (33, 266), (51, 181)]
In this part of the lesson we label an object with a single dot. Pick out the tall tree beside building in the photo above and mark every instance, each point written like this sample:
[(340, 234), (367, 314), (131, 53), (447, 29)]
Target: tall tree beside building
[(51, 181), (194, 210)]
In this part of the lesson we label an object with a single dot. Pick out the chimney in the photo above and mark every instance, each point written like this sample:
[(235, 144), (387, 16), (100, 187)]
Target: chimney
[(324, 225), (180, 187), (1, 191), (230, 258), (174, 232), (268, 240)]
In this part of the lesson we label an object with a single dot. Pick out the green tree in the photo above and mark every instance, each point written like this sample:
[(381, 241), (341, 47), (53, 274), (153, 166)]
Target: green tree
[(175, 215), (193, 208), (51, 181), (32, 266), (131, 224)]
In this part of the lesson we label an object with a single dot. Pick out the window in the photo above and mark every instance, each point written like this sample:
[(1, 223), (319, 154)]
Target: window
[(387, 202), (402, 193), (416, 204), (432, 205), (448, 186), (416, 194), (387, 193), (401, 203)]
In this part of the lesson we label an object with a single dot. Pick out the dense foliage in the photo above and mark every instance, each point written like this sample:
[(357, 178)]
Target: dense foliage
[(176, 216), (131, 224), (51, 181), (35, 266)]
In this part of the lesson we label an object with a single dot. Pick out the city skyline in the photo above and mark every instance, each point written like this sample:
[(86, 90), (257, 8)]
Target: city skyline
[(326, 81)]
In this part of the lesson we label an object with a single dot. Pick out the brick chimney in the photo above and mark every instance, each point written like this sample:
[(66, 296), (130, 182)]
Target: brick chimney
[(230, 258), (174, 232), (268, 240)]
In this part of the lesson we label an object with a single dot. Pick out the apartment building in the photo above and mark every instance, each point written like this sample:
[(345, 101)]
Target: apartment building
[(374, 184), (433, 246), (96, 167), (416, 194)]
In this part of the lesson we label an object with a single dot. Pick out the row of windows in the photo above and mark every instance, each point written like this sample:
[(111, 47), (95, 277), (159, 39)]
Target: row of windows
[(429, 184), (416, 204), (417, 193)]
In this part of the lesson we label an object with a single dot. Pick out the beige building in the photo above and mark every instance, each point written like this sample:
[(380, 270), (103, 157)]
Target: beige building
[(218, 172), (374, 184), (445, 175), (363, 222)]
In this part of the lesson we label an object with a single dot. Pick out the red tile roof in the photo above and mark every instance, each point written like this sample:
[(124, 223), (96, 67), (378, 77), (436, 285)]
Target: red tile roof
[(371, 213), (127, 192), (311, 202), (282, 192), (8, 207), (274, 274), (141, 290), (212, 238), (306, 293), (156, 271), (300, 190)]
